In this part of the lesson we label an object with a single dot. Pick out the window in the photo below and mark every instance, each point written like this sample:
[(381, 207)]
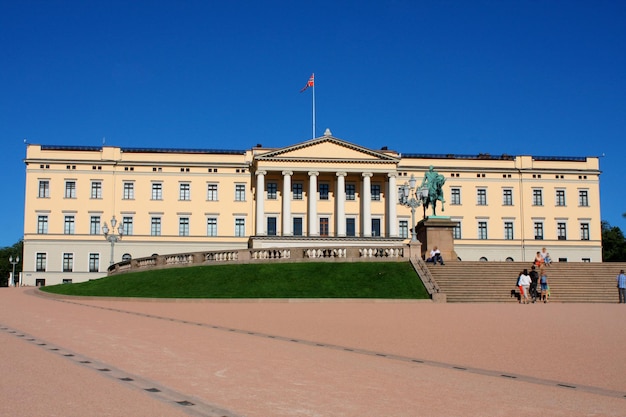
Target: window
[(583, 198), (350, 226), (40, 262), (94, 262), (272, 191), (324, 226), (584, 231), (482, 230), (240, 227), (560, 197), (211, 192), (68, 262), (481, 196), (508, 230), (375, 227), (561, 231), (157, 191), (70, 189), (455, 196), (297, 226), (537, 197), (96, 189), (375, 190), (350, 192), (538, 231), (42, 225), (94, 225), (68, 227), (271, 226), (323, 187), (211, 226), (456, 231), (507, 197), (129, 191), (44, 189), (155, 226), (403, 228), (296, 189), (127, 225), (183, 226), (184, 191), (240, 192)]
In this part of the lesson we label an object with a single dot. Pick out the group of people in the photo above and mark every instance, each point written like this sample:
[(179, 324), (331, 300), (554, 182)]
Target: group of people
[(533, 285), (542, 258)]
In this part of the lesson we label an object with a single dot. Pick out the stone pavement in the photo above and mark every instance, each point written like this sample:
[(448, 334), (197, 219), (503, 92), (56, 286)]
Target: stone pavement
[(110, 357)]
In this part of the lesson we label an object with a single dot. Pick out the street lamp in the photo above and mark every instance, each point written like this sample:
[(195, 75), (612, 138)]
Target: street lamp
[(411, 196), (13, 262), (112, 237)]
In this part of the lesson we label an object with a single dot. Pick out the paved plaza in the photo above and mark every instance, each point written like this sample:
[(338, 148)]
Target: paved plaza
[(110, 357)]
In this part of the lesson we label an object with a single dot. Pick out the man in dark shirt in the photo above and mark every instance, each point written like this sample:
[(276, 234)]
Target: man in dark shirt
[(534, 278)]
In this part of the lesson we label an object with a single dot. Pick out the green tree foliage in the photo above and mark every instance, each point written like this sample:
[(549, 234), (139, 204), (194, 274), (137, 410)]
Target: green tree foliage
[(5, 266), (613, 244)]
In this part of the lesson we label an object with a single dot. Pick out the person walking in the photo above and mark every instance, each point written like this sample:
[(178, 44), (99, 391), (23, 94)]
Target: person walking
[(524, 284), (534, 279), (621, 286)]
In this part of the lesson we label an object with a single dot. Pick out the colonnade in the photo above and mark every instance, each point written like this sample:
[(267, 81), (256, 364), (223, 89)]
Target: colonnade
[(313, 226)]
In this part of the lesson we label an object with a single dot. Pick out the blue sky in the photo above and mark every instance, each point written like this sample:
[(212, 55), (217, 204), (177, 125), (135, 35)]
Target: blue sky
[(517, 77)]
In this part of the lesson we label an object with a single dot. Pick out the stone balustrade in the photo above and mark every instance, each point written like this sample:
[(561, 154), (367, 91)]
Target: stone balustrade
[(289, 254)]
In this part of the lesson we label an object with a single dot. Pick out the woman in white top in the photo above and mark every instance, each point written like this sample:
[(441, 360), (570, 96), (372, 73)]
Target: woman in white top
[(524, 284)]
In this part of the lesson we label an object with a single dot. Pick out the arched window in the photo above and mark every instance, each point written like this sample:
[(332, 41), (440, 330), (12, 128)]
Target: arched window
[(126, 257), (483, 259), (509, 259)]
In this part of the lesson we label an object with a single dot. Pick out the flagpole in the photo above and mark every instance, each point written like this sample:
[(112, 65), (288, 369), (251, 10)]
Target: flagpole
[(313, 108)]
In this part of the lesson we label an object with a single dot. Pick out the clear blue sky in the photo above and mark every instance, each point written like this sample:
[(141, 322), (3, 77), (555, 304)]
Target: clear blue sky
[(468, 77)]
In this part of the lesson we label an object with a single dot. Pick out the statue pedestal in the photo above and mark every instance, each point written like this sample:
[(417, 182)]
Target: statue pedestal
[(437, 231)]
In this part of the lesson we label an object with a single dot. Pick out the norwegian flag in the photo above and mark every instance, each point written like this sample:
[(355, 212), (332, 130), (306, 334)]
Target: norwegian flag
[(309, 83)]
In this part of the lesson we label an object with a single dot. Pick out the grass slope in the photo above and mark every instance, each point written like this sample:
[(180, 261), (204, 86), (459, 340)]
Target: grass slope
[(288, 280)]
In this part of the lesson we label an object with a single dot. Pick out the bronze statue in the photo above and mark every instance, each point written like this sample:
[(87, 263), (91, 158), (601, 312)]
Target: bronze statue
[(433, 183)]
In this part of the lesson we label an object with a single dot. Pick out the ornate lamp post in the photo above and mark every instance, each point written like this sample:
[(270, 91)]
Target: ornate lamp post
[(112, 237), (13, 262), (411, 196)]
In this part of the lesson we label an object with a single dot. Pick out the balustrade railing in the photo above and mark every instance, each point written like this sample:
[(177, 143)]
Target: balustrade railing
[(352, 253)]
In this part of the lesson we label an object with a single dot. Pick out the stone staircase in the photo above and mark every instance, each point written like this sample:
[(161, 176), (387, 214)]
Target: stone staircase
[(570, 282)]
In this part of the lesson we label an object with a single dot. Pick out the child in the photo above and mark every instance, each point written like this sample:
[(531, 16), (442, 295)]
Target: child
[(544, 285)]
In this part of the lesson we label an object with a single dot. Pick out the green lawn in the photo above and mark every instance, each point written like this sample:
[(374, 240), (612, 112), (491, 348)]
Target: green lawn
[(287, 280)]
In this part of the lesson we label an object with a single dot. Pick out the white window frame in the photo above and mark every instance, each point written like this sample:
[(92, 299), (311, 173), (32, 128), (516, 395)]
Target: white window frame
[(211, 191)]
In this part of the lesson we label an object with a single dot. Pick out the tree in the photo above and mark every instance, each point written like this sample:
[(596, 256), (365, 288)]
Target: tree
[(5, 266), (613, 244)]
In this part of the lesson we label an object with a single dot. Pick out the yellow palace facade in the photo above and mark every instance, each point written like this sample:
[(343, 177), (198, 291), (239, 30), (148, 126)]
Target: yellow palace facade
[(323, 190)]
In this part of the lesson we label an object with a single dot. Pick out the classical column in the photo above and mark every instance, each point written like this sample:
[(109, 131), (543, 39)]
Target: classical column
[(340, 201), (260, 203), (313, 226), (366, 204), (287, 203), (392, 203)]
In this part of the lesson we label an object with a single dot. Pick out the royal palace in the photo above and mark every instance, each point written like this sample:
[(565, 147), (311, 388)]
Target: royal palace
[(167, 201)]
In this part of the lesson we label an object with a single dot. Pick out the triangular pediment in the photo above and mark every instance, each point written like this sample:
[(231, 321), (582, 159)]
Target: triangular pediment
[(328, 149)]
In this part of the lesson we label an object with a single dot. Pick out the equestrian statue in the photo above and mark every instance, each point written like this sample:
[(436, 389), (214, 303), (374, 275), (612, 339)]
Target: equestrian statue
[(433, 183)]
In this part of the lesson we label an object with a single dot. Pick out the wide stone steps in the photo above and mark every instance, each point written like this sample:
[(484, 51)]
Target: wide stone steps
[(570, 282)]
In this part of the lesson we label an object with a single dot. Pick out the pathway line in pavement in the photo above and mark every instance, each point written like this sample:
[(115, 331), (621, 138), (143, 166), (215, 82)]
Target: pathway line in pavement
[(185, 403)]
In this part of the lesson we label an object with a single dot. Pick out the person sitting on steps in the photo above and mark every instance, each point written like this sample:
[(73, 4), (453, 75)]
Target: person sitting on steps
[(435, 256)]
